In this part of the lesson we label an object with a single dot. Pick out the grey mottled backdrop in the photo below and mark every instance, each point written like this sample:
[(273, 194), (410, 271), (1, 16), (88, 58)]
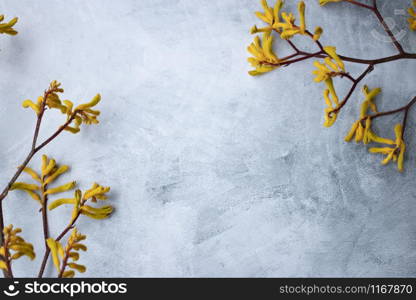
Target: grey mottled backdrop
[(213, 172)]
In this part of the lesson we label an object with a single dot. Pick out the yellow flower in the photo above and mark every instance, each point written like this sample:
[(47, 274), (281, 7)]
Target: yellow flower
[(264, 59), (396, 153), (324, 2), (7, 28), (325, 72), (363, 133), (332, 102), (287, 28), (412, 18), (332, 52), (82, 114), (13, 242), (50, 171), (61, 257), (301, 9)]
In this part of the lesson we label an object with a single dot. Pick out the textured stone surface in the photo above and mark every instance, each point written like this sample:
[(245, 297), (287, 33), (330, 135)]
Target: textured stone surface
[(214, 173)]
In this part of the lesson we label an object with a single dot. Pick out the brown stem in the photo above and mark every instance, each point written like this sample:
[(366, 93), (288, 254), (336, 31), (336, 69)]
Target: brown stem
[(386, 28), (406, 112), (9, 272), (394, 111), (64, 264), (60, 236), (30, 155), (353, 87)]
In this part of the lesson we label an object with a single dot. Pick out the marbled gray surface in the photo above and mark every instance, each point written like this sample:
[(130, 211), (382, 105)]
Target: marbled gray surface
[(213, 172)]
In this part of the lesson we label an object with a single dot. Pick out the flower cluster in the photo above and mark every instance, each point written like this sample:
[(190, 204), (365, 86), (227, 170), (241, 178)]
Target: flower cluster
[(95, 193), (13, 246), (61, 256), (13, 242), (329, 66), (412, 18), (7, 27), (81, 114), (50, 171), (41, 190), (361, 131), (333, 66)]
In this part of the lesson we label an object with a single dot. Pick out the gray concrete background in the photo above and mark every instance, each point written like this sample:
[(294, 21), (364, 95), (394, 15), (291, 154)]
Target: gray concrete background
[(213, 172)]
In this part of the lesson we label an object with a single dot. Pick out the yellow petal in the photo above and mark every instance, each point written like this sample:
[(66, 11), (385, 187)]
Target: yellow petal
[(72, 129), (301, 9), (32, 173), (359, 133), (29, 103), (68, 274), (78, 246), (59, 171), (61, 189), (74, 255), (24, 186), (332, 52), (388, 158), (79, 268), (52, 244), (317, 34), (352, 131), (90, 104), (60, 202), (400, 161), (51, 165)]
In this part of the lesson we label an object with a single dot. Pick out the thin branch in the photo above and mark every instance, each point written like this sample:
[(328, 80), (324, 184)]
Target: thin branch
[(9, 272), (45, 225), (30, 155), (394, 111), (64, 264), (39, 119), (387, 28), (360, 4), (353, 87), (60, 236)]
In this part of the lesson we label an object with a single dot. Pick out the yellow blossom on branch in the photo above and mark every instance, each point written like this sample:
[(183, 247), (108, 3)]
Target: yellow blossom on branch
[(13, 242), (50, 172), (287, 26), (397, 152), (66, 257), (7, 27), (264, 59), (412, 18), (79, 203), (326, 70), (81, 114), (332, 52), (317, 33), (324, 2), (363, 133), (281, 22), (332, 103)]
